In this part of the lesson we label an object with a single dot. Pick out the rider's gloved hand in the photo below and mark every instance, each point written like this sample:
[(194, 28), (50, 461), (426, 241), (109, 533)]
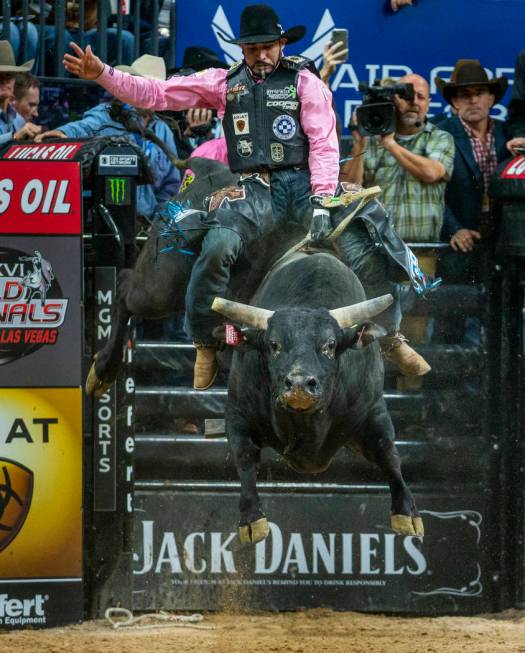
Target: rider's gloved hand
[(321, 224)]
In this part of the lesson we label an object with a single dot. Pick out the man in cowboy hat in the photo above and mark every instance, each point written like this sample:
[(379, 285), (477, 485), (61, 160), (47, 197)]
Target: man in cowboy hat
[(480, 146), (280, 130), (143, 127), (12, 125)]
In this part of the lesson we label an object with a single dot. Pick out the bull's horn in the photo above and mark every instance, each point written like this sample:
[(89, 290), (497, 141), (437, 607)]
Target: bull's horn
[(348, 315), (243, 313)]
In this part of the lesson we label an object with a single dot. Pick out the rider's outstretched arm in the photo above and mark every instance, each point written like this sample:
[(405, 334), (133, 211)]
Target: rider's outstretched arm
[(205, 90)]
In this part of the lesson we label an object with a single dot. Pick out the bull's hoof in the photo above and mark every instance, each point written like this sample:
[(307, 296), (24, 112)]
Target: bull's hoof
[(406, 525), (94, 385), (254, 532)]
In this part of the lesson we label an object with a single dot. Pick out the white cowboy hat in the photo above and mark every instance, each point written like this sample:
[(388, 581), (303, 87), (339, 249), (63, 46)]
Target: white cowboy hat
[(7, 60), (146, 66)]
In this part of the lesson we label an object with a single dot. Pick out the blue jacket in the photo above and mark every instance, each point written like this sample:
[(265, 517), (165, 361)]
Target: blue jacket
[(97, 122), (10, 122), (464, 192)]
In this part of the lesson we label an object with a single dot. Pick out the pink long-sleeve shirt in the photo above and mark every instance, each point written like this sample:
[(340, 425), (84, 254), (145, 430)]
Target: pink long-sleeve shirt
[(207, 90)]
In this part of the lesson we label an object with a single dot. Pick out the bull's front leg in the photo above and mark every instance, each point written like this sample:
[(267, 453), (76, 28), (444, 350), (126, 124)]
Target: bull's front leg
[(379, 447), (253, 526)]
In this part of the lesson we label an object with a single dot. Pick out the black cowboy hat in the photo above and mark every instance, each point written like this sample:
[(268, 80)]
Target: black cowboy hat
[(197, 58), (260, 24), (470, 72)]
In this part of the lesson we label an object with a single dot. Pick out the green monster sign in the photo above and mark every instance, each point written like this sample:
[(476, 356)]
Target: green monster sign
[(117, 190)]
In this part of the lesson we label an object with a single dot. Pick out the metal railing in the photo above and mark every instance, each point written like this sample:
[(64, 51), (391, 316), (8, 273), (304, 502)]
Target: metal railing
[(50, 18)]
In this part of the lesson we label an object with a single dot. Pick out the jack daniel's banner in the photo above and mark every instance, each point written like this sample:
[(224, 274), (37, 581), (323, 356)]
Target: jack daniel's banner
[(334, 551)]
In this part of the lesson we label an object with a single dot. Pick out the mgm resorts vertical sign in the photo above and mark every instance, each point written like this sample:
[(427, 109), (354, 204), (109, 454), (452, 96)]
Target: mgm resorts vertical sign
[(41, 580)]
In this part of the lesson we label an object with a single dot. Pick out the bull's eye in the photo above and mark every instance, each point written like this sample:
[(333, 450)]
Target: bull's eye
[(328, 349), (275, 347)]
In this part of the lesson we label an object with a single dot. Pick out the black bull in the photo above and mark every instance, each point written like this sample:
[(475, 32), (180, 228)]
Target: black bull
[(309, 380)]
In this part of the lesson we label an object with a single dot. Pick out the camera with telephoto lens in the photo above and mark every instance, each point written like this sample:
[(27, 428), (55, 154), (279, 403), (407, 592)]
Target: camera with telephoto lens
[(377, 115)]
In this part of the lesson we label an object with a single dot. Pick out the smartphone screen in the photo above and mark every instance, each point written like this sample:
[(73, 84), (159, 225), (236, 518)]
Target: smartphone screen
[(340, 36)]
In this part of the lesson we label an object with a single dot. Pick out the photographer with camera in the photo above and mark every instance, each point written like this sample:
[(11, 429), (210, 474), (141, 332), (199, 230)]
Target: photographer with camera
[(411, 159)]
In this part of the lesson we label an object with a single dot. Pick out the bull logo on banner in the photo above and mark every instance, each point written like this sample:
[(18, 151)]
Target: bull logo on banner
[(32, 306), (16, 492)]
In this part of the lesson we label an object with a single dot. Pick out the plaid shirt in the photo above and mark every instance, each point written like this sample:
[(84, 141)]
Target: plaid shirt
[(416, 208), (484, 153)]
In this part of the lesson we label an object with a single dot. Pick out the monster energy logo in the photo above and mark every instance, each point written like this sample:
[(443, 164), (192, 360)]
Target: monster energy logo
[(117, 187)]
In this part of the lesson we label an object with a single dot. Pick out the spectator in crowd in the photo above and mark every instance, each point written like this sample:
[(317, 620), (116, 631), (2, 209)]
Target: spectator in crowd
[(90, 33), (147, 20), (27, 96), (480, 145), (12, 125), (397, 4), (516, 117), (333, 55), (144, 127), (16, 38), (411, 166)]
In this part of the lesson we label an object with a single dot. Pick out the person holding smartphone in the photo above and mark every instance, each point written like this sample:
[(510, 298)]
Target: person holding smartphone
[(335, 52)]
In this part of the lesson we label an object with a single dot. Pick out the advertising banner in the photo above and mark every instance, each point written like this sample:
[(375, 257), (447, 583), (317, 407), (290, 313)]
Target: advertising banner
[(40, 506), (40, 311), (188, 554), (427, 38), (41, 198), (41, 436)]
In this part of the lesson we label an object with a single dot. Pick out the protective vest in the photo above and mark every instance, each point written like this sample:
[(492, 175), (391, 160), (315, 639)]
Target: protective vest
[(261, 121)]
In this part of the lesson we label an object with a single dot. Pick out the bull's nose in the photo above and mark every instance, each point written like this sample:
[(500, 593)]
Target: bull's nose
[(308, 384)]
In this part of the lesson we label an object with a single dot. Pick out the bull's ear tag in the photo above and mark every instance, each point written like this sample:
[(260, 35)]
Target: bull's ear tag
[(232, 335)]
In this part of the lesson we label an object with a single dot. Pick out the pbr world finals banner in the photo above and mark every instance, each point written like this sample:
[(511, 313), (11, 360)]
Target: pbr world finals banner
[(40, 395), (426, 38)]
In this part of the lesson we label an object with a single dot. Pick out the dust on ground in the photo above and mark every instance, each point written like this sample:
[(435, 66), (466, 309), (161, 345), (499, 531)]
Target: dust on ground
[(310, 631)]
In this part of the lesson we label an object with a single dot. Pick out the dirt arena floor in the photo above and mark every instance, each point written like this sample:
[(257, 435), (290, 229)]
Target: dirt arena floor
[(312, 631)]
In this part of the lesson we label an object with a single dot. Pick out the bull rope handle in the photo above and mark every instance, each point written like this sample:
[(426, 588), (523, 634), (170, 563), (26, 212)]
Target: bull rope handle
[(365, 196), (344, 199), (127, 619)]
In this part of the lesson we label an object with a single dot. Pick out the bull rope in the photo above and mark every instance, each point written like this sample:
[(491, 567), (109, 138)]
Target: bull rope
[(344, 199), (175, 620)]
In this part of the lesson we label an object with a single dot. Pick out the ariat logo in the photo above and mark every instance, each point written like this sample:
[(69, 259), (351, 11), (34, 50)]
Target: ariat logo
[(16, 492), (117, 187)]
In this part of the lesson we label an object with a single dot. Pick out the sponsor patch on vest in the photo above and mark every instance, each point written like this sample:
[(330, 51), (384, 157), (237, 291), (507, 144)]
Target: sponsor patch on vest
[(277, 151), (241, 124), (284, 127), (287, 105), (230, 194), (245, 147), (238, 89), (286, 93)]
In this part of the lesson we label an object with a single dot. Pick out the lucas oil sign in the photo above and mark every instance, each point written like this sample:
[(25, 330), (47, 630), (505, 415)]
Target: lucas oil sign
[(41, 198)]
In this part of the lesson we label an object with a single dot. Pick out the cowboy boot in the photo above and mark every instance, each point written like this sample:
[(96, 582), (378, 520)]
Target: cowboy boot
[(206, 367), (396, 349)]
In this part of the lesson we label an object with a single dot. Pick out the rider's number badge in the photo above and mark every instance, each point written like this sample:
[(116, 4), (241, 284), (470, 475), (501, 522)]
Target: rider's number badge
[(241, 124), (284, 127)]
